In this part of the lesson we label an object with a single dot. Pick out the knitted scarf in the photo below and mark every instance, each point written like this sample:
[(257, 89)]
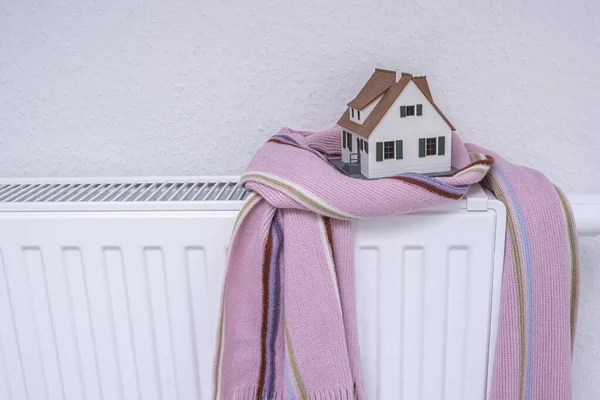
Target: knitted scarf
[(288, 327)]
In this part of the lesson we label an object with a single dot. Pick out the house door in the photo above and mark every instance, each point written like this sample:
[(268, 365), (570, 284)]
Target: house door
[(358, 149)]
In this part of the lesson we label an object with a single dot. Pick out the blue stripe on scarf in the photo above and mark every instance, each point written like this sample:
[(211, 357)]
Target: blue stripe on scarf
[(289, 386), (528, 273), (274, 302), (286, 139), (436, 183)]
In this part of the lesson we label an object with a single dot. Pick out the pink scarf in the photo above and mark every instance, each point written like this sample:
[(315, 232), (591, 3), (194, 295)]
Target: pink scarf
[(288, 326)]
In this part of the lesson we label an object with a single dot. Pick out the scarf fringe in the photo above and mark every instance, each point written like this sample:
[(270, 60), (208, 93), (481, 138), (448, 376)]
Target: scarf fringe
[(344, 393)]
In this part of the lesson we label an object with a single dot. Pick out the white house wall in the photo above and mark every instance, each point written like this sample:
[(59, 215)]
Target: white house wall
[(364, 160), (410, 129), (364, 157)]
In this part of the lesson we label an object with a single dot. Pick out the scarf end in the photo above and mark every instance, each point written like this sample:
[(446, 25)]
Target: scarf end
[(343, 393)]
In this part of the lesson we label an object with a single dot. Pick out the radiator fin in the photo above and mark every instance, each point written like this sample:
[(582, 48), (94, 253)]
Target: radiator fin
[(391, 302), (11, 359), (141, 323), (456, 322), (413, 295), (120, 311), (154, 264), (197, 285), (36, 274), (82, 325), (368, 273)]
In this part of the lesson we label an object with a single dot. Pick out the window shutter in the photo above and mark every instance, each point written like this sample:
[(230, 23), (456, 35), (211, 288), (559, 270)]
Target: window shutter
[(344, 139), (379, 151), (421, 147), (441, 145), (402, 111), (398, 149), (367, 147), (419, 109), (361, 144), (349, 141)]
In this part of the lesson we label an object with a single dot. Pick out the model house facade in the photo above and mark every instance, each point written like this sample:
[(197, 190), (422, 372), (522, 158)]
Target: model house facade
[(393, 126)]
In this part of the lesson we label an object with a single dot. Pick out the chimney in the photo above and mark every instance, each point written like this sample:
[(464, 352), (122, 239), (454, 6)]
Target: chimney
[(399, 74)]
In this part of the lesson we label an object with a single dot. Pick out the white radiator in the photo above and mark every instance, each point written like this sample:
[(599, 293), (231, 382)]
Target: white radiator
[(110, 290)]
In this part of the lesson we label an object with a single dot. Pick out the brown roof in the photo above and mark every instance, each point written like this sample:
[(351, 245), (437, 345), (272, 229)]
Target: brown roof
[(380, 81), (390, 94), (421, 82)]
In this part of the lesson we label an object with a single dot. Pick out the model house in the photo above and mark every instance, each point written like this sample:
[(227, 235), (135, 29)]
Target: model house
[(394, 126)]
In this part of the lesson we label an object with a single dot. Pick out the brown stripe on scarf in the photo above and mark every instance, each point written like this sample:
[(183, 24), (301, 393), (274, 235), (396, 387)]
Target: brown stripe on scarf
[(487, 161), (265, 314), (327, 222), (428, 187), (572, 234)]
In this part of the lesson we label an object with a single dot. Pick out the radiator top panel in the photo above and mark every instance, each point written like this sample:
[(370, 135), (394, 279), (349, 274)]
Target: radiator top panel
[(133, 192), (163, 194)]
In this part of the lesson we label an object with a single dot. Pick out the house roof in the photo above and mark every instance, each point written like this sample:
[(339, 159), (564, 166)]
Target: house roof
[(380, 81), (384, 82), (421, 82)]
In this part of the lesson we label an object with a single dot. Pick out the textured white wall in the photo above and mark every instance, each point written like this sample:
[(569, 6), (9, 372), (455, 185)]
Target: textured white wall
[(122, 87)]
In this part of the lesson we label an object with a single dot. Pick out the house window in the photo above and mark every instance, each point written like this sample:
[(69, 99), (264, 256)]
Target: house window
[(349, 141), (352, 111), (344, 139), (367, 147), (431, 147), (409, 111), (362, 144), (388, 150), (358, 112)]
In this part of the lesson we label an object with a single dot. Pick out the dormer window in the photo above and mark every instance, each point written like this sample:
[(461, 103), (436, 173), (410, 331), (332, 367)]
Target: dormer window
[(355, 115)]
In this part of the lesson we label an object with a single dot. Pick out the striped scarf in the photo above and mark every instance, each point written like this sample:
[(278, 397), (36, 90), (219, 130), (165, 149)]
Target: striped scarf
[(288, 327)]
